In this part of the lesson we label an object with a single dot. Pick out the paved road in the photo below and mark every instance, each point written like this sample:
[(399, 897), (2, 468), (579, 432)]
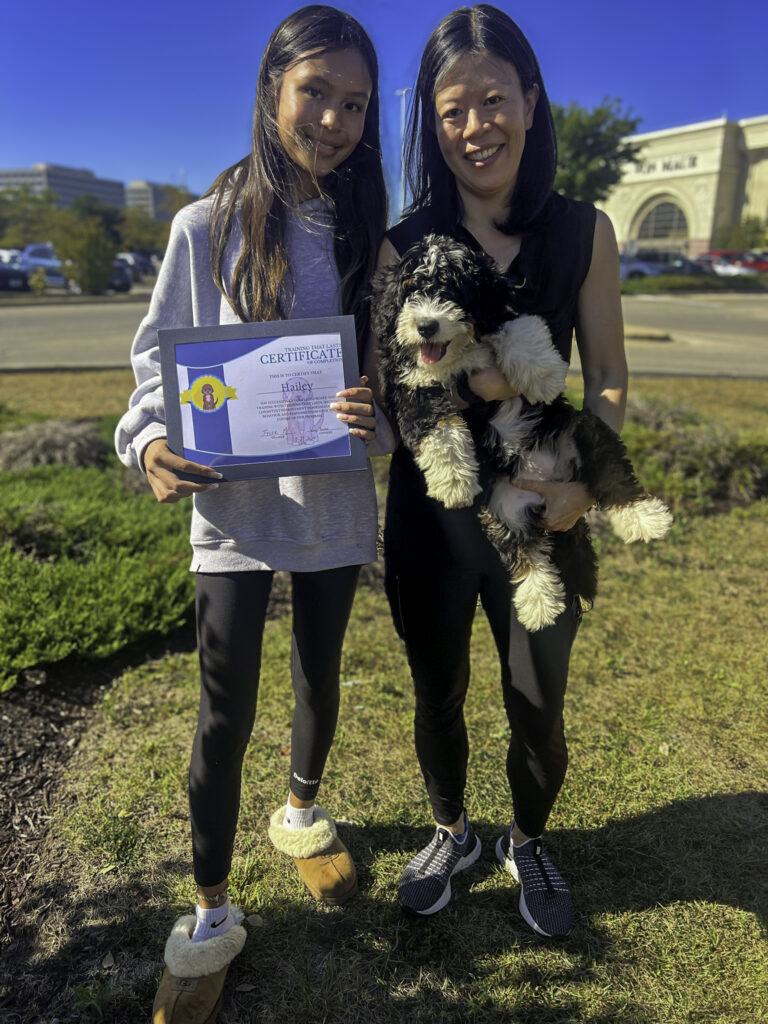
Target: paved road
[(714, 335)]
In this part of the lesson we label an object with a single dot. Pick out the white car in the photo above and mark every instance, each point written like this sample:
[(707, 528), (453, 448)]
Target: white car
[(723, 268)]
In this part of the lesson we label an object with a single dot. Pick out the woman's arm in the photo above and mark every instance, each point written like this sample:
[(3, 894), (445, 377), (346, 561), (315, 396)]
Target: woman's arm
[(600, 340), (600, 330)]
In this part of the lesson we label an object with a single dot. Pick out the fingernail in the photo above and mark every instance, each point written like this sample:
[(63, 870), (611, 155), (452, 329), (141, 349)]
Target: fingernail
[(342, 416), (335, 405), (213, 487), (219, 476)]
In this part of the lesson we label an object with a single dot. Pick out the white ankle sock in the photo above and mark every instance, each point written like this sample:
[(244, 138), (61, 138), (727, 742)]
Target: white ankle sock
[(211, 923), (298, 817)]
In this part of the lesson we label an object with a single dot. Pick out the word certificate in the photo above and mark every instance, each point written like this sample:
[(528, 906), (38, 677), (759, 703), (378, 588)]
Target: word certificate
[(258, 403)]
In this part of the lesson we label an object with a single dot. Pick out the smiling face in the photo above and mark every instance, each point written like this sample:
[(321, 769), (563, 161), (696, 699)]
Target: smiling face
[(481, 117), (321, 113)]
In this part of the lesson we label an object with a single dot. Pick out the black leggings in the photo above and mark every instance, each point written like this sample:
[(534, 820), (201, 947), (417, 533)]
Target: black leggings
[(231, 611), (433, 612)]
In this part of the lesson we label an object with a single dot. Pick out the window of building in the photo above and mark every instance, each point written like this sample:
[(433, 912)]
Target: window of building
[(666, 220)]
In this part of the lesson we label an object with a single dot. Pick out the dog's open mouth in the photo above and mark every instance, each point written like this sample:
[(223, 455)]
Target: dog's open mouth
[(432, 351)]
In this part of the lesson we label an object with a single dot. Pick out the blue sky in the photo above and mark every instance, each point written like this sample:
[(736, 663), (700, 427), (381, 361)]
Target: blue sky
[(164, 90)]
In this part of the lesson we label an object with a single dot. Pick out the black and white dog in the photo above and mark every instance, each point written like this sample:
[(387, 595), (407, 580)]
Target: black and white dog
[(444, 310)]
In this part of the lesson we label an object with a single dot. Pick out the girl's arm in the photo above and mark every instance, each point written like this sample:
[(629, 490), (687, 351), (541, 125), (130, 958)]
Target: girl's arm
[(140, 437), (600, 340)]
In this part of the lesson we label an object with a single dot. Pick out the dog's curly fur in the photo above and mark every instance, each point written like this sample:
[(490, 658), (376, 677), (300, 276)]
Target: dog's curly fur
[(445, 310)]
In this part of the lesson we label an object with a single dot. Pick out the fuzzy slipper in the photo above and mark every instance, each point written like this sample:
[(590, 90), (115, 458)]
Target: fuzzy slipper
[(322, 860), (191, 987)]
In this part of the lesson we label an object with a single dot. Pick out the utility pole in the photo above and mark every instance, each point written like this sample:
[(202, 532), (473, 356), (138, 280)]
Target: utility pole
[(402, 93)]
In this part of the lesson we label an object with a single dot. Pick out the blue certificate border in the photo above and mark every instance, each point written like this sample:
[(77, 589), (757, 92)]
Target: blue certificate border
[(235, 337)]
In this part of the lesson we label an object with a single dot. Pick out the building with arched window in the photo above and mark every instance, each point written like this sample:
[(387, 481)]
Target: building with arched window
[(687, 182)]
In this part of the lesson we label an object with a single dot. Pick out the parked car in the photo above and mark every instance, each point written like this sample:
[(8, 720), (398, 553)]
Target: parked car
[(654, 262), (41, 254), (743, 258), (723, 267), (140, 264), (122, 279), (13, 277)]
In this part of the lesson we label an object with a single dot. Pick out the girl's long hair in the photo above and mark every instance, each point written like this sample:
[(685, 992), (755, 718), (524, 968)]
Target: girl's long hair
[(259, 189), (482, 28)]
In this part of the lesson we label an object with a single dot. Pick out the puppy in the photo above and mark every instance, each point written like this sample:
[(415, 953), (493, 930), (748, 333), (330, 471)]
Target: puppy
[(444, 311)]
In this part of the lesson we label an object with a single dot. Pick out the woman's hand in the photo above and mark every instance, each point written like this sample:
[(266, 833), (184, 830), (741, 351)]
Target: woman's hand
[(491, 385), (162, 466), (565, 503), (355, 407)]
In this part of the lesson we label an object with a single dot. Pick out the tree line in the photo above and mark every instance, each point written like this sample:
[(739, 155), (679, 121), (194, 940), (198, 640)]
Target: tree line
[(86, 235)]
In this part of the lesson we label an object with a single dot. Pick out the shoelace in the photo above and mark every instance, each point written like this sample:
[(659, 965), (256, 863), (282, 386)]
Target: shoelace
[(437, 848), (537, 856)]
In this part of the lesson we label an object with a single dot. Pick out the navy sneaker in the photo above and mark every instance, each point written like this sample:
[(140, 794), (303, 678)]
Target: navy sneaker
[(545, 901), (425, 886)]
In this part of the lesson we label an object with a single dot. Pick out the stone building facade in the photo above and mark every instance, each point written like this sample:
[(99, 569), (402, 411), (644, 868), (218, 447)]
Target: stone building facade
[(687, 182)]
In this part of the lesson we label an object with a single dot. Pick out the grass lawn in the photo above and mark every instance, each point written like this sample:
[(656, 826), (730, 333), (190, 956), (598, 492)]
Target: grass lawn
[(661, 828)]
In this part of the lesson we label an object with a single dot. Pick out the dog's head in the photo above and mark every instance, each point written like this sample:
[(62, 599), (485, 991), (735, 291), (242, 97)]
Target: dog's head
[(437, 302)]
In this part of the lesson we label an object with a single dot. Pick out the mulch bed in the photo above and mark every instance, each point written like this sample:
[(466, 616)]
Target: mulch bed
[(41, 721)]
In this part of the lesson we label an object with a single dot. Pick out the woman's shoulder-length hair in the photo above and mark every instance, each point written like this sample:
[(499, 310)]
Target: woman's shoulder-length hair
[(479, 29)]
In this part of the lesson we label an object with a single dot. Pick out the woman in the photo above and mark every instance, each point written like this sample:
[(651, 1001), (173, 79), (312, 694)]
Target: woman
[(481, 158)]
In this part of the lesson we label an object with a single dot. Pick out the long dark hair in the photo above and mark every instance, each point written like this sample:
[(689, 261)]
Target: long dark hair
[(260, 188), (473, 30)]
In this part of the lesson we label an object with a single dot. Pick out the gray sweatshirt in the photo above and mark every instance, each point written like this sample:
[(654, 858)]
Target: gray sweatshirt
[(298, 523)]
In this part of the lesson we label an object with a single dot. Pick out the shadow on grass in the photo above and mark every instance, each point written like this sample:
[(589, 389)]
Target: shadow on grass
[(370, 962)]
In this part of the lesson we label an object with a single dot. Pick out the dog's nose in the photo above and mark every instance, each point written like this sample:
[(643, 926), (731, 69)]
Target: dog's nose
[(427, 328)]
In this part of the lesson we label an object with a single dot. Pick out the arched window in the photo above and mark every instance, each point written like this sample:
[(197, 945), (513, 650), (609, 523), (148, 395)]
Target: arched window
[(666, 220)]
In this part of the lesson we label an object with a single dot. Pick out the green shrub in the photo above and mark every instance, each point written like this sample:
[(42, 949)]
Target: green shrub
[(87, 564), (38, 281), (693, 283), (698, 470)]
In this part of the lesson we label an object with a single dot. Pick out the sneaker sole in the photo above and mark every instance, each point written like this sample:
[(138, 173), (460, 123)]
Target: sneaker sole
[(465, 862), (508, 862)]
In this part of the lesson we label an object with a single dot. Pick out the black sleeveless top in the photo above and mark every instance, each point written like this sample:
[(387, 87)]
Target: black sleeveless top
[(547, 274)]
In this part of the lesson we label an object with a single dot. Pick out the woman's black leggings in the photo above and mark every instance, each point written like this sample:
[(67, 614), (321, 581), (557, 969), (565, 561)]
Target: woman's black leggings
[(231, 611), (433, 612)]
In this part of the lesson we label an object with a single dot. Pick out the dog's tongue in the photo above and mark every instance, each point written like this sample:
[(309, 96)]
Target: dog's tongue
[(432, 351)]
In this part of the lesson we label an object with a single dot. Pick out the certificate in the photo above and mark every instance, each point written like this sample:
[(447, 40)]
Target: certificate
[(252, 400)]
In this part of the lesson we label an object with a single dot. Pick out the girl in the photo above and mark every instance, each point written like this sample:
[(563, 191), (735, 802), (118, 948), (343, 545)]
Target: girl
[(290, 231), (481, 157)]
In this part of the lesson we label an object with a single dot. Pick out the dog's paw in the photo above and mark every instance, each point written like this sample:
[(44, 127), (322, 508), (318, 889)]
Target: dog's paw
[(645, 520), (453, 494), (540, 594), (528, 359), (447, 459), (539, 600)]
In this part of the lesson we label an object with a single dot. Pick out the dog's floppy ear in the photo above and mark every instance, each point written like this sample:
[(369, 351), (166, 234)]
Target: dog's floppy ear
[(490, 282), (384, 299)]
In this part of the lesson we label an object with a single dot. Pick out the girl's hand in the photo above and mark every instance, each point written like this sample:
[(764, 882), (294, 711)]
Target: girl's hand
[(162, 466), (565, 503), (355, 407)]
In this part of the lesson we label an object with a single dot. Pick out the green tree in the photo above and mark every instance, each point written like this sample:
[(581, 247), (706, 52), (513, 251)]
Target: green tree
[(751, 233), (174, 198), (25, 216), (591, 148), (87, 250), (142, 234), (88, 207)]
